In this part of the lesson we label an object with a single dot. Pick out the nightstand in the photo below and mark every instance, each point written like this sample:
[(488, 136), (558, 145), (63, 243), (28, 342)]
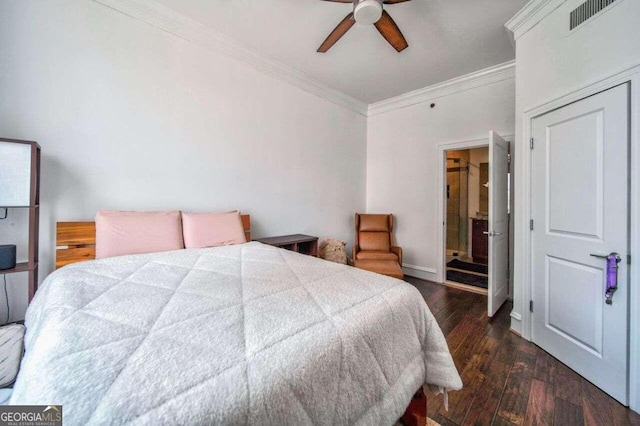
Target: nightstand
[(304, 244)]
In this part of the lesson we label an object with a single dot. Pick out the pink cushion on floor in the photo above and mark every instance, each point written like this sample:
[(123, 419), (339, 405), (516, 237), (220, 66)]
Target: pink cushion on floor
[(212, 229), (120, 233)]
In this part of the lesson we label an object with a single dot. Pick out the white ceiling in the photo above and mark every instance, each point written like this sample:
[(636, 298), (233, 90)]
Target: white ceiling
[(447, 39)]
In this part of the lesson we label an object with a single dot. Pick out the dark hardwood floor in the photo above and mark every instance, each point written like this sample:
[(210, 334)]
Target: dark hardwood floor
[(508, 380)]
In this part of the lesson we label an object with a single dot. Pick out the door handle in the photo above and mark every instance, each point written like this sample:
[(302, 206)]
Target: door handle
[(612, 274), (492, 233)]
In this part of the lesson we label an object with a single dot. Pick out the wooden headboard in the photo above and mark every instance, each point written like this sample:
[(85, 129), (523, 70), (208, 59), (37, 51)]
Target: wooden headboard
[(76, 241)]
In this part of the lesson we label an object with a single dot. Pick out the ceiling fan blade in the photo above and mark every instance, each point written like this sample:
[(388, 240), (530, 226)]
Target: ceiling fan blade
[(388, 1), (337, 33), (390, 31)]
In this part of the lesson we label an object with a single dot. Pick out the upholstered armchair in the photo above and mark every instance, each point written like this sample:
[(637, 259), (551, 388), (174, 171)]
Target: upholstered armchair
[(374, 249)]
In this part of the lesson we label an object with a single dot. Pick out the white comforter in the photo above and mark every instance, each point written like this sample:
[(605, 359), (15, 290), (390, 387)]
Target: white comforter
[(246, 334)]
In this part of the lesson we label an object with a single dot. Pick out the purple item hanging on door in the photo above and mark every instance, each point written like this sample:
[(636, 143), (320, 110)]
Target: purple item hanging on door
[(612, 276)]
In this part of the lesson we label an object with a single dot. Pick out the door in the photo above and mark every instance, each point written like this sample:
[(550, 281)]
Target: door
[(498, 289), (579, 209)]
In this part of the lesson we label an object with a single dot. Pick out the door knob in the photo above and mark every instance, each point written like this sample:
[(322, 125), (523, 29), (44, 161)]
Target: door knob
[(492, 233)]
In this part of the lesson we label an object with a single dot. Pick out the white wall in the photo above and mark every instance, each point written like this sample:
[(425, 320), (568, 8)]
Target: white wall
[(402, 161), (131, 117), (552, 63)]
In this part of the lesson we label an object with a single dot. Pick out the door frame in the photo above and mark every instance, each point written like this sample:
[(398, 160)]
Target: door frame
[(631, 76), (442, 202)]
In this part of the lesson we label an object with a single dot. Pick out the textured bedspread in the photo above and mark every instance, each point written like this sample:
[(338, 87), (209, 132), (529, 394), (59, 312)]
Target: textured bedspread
[(246, 334)]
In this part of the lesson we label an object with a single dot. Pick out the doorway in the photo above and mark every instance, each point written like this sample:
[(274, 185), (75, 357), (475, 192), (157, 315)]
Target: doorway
[(467, 211), (476, 265)]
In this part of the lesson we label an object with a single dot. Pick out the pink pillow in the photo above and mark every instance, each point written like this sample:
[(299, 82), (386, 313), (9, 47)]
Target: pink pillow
[(212, 229), (120, 233)]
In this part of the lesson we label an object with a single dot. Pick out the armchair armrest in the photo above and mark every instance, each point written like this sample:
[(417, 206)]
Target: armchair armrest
[(398, 252)]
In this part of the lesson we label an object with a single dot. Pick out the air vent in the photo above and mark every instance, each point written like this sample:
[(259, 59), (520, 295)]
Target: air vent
[(586, 10)]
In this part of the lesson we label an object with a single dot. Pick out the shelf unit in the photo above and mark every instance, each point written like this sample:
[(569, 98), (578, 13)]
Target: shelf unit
[(31, 265), (304, 244)]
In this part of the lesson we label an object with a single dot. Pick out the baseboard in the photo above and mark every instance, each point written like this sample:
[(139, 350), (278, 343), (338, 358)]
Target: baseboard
[(419, 272), (516, 323)]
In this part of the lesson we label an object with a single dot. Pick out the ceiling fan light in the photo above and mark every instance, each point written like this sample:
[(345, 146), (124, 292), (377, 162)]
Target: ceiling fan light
[(367, 12)]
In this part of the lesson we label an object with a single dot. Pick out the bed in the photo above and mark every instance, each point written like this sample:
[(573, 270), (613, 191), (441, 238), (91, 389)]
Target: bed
[(242, 334)]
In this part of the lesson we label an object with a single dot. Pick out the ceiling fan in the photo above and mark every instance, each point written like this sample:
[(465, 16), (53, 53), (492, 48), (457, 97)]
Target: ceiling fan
[(368, 12)]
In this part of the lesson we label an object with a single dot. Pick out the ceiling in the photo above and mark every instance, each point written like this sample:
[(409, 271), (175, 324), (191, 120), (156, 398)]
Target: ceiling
[(447, 39)]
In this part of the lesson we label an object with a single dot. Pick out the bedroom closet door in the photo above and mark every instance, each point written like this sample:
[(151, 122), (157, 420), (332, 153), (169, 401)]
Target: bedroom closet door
[(498, 232), (580, 237)]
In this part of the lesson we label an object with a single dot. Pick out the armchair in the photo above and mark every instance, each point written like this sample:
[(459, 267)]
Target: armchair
[(374, 249)]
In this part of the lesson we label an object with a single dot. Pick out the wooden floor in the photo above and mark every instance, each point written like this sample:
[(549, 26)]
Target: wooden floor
[(508, 380)]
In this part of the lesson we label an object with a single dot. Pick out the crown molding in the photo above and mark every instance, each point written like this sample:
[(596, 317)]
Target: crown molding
[(494, 74), (166, 19), (530, 15)]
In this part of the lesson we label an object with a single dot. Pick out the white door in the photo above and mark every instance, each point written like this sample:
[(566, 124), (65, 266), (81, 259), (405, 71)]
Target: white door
[(579, 208), (498, 223)]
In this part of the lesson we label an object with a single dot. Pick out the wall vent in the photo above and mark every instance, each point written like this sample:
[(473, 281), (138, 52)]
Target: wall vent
[(586, 10)]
